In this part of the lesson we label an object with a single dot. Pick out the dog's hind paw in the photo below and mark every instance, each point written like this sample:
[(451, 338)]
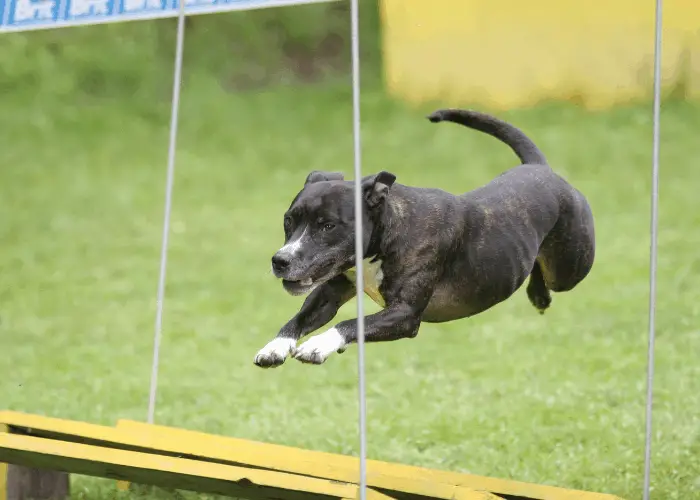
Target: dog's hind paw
[(275, 352), (537, 291), (317, 349), (541, 301)]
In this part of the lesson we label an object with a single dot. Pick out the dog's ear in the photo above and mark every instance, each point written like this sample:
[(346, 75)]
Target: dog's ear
[(319, 175), (376, 187)]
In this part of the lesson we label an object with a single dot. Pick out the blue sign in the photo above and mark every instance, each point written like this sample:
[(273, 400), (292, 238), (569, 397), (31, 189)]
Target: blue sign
[(23, 15)]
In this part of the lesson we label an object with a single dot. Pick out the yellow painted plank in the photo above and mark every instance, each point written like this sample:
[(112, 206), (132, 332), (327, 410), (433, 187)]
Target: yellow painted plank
[(193, 444), (108, 435), (159, 470), (382, 475), (40, 425), (432, 490), (293, 460), (415, 487)]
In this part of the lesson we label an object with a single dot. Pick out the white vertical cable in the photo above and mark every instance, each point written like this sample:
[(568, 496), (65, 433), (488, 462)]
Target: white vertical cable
[(359, 247), (177, 81), (653, 247)]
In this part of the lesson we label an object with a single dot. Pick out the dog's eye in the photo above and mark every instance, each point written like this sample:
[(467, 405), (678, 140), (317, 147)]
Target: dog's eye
[(287, 223), (327, 226)]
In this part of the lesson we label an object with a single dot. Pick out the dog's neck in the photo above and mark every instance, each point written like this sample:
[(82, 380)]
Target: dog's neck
[(384, 219), (373, 249)]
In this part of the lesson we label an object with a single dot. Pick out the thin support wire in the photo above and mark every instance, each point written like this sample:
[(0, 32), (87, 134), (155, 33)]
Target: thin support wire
[(359, 246), (653, 247), (177, 81)]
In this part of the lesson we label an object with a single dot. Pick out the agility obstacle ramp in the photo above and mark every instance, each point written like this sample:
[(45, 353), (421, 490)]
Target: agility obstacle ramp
[(176, 458)]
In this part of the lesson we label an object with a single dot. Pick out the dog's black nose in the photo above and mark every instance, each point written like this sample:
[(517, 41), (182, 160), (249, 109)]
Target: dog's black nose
[(280, 263)]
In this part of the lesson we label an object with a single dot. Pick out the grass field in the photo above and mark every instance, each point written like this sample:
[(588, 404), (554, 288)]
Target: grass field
[(555, 399)]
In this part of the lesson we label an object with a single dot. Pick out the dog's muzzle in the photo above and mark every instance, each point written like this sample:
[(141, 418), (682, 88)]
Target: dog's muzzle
[(282, 268), (280, 264)]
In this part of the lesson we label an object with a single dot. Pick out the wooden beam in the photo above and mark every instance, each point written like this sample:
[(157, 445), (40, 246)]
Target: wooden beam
[(159, 441), (416, 488), (385, 476), (30, 483), (167, 472)]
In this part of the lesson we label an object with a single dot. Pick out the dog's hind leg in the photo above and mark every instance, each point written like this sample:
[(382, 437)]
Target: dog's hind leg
[(537, 290), (567, 253)]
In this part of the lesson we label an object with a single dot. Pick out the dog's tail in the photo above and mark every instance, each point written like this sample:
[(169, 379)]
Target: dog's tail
[(505, 132)]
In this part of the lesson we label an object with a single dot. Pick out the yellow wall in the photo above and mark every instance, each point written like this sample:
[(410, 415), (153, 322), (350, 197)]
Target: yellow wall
[(512, 53)]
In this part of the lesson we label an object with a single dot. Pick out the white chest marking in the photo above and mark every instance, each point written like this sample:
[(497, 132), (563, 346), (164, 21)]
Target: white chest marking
[(372, 279)]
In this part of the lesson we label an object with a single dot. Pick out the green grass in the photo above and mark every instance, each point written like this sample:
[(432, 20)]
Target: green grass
[(555, 399)]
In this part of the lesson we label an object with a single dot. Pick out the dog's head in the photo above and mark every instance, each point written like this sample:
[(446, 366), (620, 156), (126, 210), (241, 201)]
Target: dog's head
[(319, 228)]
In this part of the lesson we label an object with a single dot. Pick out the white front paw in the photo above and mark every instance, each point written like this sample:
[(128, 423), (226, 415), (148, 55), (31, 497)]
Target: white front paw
[(275, 352), (317, 349)]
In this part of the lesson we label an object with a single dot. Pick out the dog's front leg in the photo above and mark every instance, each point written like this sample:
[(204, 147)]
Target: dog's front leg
[(319, 308), (393, 323)]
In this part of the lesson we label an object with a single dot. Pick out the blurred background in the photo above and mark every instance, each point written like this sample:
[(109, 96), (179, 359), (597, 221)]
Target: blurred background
[(555, 399)]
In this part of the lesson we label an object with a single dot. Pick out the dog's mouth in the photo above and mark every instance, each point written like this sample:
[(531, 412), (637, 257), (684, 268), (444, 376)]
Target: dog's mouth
[(300, 287), (307, 285)]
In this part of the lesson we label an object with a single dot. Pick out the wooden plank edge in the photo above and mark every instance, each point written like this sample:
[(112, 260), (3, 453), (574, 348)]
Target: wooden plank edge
[(26, 422), (427, 489), (339, 467), (406, 485), (371, 494), (40, 451)]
